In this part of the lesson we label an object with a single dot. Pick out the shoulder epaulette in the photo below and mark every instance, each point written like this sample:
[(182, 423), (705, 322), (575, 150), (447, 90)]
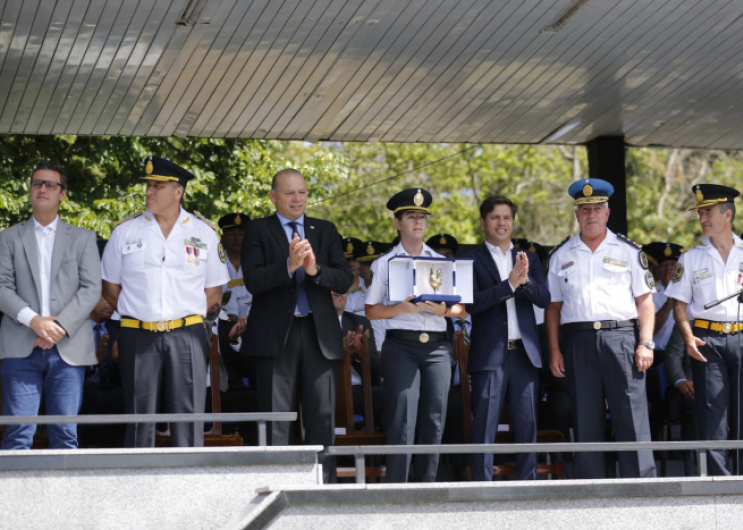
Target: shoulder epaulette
[(627, 240), (128, 218), (689, 247), (207, 221), (559, 245)]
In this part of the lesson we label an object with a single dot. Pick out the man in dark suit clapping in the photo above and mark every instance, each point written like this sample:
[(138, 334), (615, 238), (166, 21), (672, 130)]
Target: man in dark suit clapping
[(504, 357), (291, 263)]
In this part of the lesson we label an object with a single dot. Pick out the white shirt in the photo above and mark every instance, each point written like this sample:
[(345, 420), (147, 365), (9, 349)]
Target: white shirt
[(240, 300), (379, 294), (705, 278), (356, 299), (163, 279), (44, 244), (600, 285), (664, 333), (503, 264)]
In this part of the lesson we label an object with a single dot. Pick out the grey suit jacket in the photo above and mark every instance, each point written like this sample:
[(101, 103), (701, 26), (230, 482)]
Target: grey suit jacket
[(75, 289), (678, 362)]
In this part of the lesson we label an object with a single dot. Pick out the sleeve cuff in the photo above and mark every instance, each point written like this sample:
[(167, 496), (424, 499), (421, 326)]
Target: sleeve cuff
[(26, 315), (679, 381)]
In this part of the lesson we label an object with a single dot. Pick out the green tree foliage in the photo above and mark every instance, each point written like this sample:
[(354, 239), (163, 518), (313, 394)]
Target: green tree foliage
[(351, 183)]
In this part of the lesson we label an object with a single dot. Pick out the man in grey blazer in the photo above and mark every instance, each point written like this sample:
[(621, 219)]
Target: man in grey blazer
[(50, 281)]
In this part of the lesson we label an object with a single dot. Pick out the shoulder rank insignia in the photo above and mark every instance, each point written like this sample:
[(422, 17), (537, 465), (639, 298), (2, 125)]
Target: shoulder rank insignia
[(128, 218), (687, 248), (629, 241), (207, 221), (559, 245), (678, 272), (222, 256)]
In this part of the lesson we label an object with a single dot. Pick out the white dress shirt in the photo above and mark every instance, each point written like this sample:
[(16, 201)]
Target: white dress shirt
[(240, 300), (379, 294), (356, 299), (704, 277), (163, 278), (600, 285), (44, 244), (664, 333), (505, 266)]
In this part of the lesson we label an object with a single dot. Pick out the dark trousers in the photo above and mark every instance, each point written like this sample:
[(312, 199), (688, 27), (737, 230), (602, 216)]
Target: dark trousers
[(716, 394), (417, 378), (301, 371), (515, 381), (167, 370), (601, 364)]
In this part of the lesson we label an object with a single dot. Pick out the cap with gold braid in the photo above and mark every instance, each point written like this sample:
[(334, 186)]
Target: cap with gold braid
[(590, 191), (659, 251), (163, 170), (232, 220), (413, 199), (370, 251), (711, 194), (351, 246), (443, 241)]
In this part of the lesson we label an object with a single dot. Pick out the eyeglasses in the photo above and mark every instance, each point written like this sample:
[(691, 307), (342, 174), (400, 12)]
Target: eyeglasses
[(50, 184)]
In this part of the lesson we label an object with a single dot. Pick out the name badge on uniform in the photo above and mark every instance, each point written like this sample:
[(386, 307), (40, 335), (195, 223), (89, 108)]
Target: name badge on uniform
[(132, 245), (565, 270), (614, 264), (700, 275)]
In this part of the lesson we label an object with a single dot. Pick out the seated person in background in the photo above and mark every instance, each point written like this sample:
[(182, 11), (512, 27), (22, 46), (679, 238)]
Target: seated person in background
[(365, 256), (357, 293), (680, 395), (444, 244), (353, 326)]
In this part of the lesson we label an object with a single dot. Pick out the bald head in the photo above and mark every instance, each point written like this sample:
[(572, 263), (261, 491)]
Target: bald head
[(289, 193)]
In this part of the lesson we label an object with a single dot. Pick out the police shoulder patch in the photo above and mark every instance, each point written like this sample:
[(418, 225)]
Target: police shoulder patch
[(559, 245), (207, 221), (678, 272), (124, 220), (649, 279), (643, 259), (687, 248), (222, 255)]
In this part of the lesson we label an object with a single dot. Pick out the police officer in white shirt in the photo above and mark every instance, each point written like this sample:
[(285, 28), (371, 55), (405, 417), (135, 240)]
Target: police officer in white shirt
[(416, 353), (600, 289), (233, 228), (162, 269), (663, 258), (705, 272), (365, 256), (357, 293)]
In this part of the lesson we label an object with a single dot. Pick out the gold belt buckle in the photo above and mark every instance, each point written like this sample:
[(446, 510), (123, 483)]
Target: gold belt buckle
[(727, 327), (423, 337), (597, 325), (161, 326)]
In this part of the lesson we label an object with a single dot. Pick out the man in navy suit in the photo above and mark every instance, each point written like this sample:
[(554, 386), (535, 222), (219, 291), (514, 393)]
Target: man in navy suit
[(504, 357)]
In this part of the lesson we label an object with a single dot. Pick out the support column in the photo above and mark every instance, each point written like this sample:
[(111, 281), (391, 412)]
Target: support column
[(606, 161)]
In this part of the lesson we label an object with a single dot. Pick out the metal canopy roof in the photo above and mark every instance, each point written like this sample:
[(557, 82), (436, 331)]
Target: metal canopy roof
[(660, 72)]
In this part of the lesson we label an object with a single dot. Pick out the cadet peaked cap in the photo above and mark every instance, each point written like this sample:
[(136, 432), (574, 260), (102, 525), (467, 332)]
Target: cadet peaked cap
[(590, 191), (413, 199), (164, 170), (443, 241), (657, 251), (371, 250), (711, 194), (351, 246), (232, 220)]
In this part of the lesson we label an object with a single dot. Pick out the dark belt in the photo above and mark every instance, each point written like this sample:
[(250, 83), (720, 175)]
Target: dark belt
[(513, 344), (601, 324), (416, 336)]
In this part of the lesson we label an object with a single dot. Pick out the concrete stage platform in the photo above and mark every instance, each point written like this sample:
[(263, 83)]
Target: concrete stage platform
[(688, 503)]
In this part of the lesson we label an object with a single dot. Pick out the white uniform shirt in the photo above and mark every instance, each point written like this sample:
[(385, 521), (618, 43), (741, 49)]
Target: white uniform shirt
[(240, 300), (379, 294), (599, 285), (45, 236), (158, 281), (356, 299), (664, 333), (503, 264), (705, 278)]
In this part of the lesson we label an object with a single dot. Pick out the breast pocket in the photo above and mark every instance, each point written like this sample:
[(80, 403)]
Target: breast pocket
[(617, 274), (566, 278), (133, 256)]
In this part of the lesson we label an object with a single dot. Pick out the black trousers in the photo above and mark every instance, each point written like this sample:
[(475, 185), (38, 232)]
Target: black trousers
[(716, 394), (302, 371), (167, 370), (601, 364)]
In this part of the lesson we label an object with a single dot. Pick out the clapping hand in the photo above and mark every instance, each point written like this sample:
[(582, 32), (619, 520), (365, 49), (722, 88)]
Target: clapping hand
[(520, 273)]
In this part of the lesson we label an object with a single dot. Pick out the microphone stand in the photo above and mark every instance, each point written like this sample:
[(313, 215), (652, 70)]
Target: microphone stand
[(739, 295)]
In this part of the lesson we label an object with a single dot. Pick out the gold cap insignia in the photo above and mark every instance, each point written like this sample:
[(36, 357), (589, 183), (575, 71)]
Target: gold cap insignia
[(699, 195), (148, 167), (587, 190), (667, 252), (238, 219), (369, 249), (442, 241), (533, 249), (349, 248), (418, 199)]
